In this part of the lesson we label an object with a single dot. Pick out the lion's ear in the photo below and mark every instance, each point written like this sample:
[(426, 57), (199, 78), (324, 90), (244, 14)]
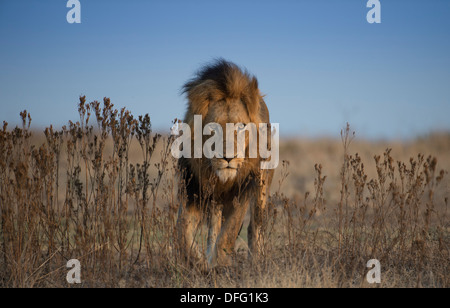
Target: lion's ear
[(253, 103), (201, 95)]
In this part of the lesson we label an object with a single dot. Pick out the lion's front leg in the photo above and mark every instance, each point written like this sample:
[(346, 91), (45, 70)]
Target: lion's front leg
[(189, 219), (214, 226), (257, 212), (233, 218)]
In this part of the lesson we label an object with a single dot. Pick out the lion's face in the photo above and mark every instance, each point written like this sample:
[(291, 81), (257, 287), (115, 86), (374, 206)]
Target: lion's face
[(223, 112)]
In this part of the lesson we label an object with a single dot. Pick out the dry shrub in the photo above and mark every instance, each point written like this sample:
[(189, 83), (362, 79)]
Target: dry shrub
[(79, 196), (393, 218)]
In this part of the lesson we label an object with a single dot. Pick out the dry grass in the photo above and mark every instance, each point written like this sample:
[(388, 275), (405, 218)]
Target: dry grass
[(107, 194)]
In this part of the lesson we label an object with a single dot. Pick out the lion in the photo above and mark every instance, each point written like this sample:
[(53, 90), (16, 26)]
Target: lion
[(223, 189)]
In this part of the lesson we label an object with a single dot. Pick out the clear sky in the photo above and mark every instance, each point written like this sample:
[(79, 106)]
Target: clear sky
[(320, 63)]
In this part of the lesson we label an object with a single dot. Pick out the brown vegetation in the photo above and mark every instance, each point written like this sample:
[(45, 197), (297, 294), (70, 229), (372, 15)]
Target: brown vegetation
[(107, 194)]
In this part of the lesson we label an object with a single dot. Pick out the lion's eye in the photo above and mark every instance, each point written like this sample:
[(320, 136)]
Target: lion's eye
[(240, 128)]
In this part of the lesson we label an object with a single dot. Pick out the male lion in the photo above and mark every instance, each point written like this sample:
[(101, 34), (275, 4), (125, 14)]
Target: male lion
[(223, 189)]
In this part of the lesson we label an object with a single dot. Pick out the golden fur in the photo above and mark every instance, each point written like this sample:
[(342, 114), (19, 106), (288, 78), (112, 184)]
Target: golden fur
[(223, 189)]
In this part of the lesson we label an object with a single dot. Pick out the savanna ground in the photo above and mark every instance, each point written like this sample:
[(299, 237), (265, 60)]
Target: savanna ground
[(104, 190)]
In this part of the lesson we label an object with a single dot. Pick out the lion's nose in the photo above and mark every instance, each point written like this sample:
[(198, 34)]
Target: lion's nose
[(228, 159)]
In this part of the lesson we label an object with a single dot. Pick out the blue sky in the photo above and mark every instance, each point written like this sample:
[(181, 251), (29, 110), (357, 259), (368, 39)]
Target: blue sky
[(320, 63)]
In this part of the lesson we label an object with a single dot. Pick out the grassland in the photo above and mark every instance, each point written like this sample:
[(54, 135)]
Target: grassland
[(104, 190)]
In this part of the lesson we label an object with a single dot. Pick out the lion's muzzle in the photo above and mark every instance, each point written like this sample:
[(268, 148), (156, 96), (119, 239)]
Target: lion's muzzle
[(226, 169)]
